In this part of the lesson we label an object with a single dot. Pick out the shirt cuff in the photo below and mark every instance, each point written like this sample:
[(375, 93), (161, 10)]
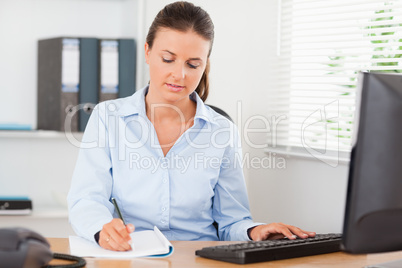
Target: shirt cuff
[(248, 232), (96, 236)]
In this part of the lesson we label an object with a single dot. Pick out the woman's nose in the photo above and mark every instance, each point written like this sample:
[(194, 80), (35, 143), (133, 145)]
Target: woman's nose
[(178, 72)]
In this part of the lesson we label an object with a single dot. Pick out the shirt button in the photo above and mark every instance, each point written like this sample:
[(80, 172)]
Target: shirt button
[(163, 209), (164, 180), (162, 221)]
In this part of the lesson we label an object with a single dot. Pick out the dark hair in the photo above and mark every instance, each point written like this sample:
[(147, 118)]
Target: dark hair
[(184, 16)]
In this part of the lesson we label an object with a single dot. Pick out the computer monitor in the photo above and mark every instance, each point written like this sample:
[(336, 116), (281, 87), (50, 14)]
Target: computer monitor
[(373, 215)]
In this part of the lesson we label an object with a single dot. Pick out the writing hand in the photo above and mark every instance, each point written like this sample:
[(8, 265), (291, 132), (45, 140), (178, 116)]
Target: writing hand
[(278, 231), (116, 236)]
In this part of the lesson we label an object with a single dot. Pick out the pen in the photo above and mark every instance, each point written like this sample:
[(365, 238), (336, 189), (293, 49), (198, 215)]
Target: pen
[(121, 217), (118, 210)]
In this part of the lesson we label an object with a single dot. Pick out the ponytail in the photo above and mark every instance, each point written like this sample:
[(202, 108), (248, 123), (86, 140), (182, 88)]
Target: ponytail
[(203, 87)]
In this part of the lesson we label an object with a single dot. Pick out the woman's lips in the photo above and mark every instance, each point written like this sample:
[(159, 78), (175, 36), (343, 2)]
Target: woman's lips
[(174, 87)]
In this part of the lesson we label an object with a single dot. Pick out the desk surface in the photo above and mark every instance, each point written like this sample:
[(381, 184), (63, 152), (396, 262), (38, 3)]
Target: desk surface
[(184, 256)]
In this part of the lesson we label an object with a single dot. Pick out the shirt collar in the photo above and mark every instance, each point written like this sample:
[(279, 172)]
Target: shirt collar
[(202, 111), (135, 104)]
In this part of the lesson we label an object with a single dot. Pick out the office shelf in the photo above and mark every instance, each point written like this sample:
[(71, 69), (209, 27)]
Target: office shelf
[(37, 134)]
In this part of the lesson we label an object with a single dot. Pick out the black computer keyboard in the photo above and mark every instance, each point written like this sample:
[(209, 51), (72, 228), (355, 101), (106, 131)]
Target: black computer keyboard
[(269, 250)]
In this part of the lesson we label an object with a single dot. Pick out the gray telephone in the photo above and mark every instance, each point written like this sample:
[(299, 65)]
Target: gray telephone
[(23, 248)]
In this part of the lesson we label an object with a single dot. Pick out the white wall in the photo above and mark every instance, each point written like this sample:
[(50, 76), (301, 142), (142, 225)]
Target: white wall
[(38, 166)]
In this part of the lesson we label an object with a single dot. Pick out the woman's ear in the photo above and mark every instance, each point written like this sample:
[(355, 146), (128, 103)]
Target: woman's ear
[(147, 51)]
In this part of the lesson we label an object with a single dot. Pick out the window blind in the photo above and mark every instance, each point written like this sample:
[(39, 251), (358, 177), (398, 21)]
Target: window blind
[(323, 45)]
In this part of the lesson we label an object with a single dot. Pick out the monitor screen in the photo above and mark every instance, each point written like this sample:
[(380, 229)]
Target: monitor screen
[(373, 215)]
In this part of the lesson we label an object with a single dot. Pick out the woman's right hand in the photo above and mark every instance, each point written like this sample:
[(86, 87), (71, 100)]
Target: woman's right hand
[(116, 236)]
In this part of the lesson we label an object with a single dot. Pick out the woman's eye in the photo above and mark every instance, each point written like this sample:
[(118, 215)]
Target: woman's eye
[(192, 66), (166, 60)]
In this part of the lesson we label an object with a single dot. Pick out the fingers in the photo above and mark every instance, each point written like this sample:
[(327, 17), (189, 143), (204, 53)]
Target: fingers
[(306, 233), (298, 232), (130, 228), (288, 230), (116, 236), (277, 231)]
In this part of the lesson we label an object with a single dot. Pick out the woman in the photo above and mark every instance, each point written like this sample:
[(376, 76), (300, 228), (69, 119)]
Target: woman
[(166, 158)]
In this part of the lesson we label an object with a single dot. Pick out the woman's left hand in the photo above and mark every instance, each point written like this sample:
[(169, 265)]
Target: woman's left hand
[(277, 231)]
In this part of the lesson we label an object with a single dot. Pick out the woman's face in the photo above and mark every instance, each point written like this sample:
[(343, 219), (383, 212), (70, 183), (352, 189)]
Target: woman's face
[(176, 62)]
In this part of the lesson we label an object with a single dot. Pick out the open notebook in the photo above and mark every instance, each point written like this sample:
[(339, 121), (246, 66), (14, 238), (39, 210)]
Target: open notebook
[(150, 243)]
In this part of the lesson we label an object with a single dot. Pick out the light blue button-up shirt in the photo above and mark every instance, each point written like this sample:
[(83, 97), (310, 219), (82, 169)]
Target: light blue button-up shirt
[(199, 181)]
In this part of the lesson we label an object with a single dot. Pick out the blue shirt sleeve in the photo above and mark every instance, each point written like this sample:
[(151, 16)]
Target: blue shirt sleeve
[(231, 206), (91, 185)]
